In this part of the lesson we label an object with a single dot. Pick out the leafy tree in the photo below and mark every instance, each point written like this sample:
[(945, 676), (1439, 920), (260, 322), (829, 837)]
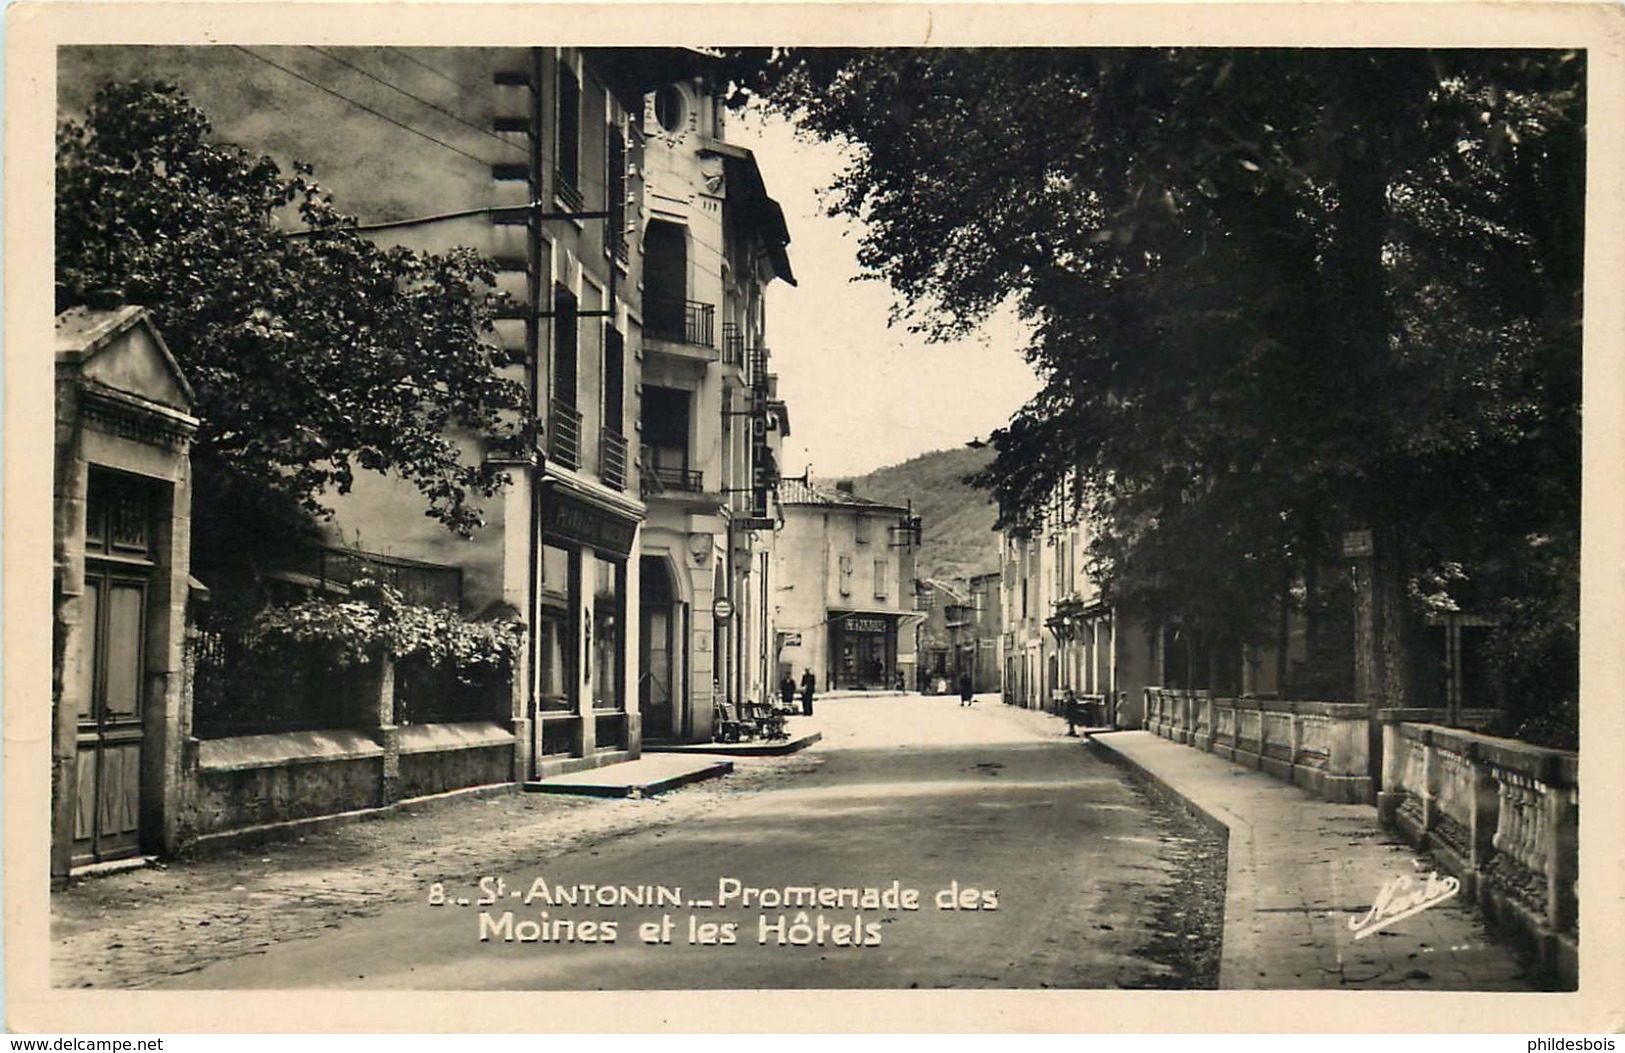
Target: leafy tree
[(1274, 294), (313, 351)]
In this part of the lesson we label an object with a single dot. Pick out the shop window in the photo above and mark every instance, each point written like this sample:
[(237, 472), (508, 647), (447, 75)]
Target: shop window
[(605, 645)]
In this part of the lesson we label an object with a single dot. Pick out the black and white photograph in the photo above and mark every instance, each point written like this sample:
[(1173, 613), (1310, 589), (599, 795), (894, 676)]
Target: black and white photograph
[(1014, 501)]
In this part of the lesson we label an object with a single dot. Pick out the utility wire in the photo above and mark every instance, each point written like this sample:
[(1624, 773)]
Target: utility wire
[(419, 99), (360, 106), (406, 53)]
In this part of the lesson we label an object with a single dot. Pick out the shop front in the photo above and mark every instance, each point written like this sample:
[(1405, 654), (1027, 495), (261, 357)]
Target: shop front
[(862, 650), (583, 718)]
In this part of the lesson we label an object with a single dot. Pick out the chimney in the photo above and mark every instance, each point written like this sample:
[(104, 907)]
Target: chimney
[(845, 487)]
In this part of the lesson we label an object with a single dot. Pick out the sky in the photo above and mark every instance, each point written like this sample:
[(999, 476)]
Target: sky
[(863, 395)]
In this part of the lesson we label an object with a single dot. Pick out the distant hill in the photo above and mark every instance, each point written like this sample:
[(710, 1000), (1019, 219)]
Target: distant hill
[(957, 519)]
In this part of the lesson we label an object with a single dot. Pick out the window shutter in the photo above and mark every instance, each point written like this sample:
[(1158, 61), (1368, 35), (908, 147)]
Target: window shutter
[(564, 346), (614, 380)]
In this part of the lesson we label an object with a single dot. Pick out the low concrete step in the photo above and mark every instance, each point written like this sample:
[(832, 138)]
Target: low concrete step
[(793, 744), (643, 777)]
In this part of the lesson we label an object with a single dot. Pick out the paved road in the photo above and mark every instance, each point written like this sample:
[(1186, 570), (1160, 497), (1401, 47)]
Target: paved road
[(1069, 864)]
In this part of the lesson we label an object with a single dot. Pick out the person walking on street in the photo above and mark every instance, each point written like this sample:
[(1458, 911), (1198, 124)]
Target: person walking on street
[(807, 683), (787, 691), (964, 689)]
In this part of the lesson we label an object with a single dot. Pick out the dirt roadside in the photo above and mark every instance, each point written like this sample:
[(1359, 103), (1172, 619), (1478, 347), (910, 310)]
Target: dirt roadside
[(133, 929)]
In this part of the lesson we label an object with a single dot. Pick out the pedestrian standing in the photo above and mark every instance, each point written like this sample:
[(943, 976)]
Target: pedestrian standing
[(964, 689), (787, 691), (807, 683)]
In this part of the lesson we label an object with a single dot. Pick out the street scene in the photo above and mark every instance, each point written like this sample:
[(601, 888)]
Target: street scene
[(665, 518)]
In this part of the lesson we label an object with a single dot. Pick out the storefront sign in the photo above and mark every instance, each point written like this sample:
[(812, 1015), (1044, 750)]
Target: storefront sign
[(866, 625), (572, 519)]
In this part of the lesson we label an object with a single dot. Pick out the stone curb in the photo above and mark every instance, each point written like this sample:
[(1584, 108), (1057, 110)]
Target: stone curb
[(646, 789), (743, 749), (1240, 940)]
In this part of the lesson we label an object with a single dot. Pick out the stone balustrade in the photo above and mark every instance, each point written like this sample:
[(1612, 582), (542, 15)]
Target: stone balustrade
[(1500, 815), (1322, 746)]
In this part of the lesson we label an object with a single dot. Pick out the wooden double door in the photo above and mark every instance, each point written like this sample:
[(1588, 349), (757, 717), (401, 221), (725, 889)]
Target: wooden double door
[(118, 578)]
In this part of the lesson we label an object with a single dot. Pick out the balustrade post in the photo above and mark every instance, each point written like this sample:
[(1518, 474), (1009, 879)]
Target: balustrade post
[(1430, 780), (381, 713), (1391, 791), (1561, 850), (1486, 807)]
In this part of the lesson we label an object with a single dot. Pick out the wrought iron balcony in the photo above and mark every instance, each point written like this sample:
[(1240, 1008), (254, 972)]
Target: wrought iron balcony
[(680, 321), (733, 345), (565, 188), (612, 458), (691, 480), (564, 435), (758, 369)]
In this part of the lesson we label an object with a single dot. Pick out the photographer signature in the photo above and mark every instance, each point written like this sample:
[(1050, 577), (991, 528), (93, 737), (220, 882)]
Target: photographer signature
[(1402, 897)]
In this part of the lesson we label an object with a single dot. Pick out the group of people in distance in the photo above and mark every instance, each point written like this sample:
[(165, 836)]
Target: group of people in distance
[(787, 691)]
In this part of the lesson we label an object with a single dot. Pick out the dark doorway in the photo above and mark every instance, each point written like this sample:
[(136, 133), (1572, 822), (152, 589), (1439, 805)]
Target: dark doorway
[(656, 641)]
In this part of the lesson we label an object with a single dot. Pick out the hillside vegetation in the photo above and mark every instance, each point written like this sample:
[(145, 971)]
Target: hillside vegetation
[(957, 519)]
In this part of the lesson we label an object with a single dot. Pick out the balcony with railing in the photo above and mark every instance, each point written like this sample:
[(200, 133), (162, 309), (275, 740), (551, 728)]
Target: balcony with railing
[(733, 345), (664, 473), (758, 369), (680, 321), (612, 458), (565, 189), (564, 435)]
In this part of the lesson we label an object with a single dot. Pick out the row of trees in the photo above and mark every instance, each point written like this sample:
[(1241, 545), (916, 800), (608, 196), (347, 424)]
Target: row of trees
[(1274, 295)]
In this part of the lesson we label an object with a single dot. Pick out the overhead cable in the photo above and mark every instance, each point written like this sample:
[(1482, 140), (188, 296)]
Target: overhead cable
[(419, 99), (360, 106)]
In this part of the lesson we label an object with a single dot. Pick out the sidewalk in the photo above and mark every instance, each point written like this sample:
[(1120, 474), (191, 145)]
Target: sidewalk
[(1300, 869)]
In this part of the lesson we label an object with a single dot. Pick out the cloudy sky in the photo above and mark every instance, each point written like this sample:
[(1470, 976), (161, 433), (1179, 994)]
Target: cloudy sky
[(862, 395)]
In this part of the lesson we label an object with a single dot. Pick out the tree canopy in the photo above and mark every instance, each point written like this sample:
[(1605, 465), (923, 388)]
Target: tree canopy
[(1274, 295), (313, 351)]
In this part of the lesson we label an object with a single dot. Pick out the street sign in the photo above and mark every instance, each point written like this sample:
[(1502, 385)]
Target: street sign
[(723, 609), (790, 640), (754, 523), (1357, 543)]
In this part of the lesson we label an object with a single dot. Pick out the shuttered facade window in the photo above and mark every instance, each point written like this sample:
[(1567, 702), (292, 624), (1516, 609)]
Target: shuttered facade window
[(614, 380), (564, 346), (568, 169)]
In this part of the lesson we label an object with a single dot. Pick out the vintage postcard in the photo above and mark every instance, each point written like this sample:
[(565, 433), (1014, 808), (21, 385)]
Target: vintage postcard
[(813, 518)]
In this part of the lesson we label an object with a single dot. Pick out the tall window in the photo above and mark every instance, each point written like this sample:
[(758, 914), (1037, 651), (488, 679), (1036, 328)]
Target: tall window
[(846, 575), (568, 169), (614, 380), (860, 529), (564, 346), (615, 229), (880, 579)]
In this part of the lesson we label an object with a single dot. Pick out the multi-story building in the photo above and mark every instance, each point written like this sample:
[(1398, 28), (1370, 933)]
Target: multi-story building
[(1060, 634), (711, 422), (534, 157), (843, 588), (946, 647), (986, 631)]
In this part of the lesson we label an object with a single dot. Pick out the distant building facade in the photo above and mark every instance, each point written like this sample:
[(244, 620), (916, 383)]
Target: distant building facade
[(1060, 635), (843, 588)]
